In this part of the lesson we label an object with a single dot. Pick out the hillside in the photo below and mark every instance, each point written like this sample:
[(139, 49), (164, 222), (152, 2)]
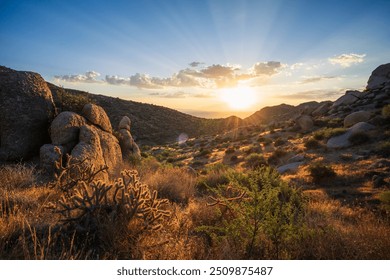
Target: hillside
[(151, 124)]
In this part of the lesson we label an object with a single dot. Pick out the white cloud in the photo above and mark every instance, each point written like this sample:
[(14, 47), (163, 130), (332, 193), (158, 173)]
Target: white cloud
[(266, 68), (316, 79), (347, 60), (88, 77)]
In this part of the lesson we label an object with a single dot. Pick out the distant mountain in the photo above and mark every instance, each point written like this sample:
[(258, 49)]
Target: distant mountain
[(151, 124)]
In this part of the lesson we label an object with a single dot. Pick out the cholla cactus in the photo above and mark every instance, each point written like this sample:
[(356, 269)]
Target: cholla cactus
[(72, 172), (89, 206)]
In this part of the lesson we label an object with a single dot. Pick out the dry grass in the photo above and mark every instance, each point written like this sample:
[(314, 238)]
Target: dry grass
[(334, 228)]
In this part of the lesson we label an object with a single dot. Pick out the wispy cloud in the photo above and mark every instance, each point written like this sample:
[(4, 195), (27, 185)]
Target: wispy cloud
[(316, 79), (88, 77), (347, 60), (195, 63), (321, 94)]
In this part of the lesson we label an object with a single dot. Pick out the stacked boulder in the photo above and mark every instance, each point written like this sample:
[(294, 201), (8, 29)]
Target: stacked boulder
[(129, 148), (88, 137)]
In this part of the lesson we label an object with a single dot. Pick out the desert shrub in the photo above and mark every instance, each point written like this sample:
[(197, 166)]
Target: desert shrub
[(386, 111), (384, 198), (312, 143), (230, 150), (358, 138), (174, 183), (17, 176), (260, 215), (100, 215), (279, 142), (254, 160), (276, 156), (217, 174), (203, 153), (327, 133), (67, 101), (383, 149), (319, 171), (234, 158)]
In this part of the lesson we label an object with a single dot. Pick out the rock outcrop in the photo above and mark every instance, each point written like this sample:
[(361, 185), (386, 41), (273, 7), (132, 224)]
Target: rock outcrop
[(128, 146), (305, 123), (26, 110), (87, 137), (380, 78)]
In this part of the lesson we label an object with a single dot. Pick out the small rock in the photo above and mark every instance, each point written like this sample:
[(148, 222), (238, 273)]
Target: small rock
[(291, 167)]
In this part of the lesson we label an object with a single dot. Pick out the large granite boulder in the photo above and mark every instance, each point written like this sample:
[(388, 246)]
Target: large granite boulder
[(65, 129), (89, 150), (379, 78), (26, 110), (342, 141), (356, 117), (97, 116), (305, 123)]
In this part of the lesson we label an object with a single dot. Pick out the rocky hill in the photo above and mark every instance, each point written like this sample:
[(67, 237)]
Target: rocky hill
[(151, 124)]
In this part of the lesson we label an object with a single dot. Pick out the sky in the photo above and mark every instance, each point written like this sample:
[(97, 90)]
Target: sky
[(209, 58)]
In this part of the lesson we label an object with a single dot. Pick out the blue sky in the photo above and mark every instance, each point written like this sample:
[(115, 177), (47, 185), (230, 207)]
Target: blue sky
[(202, 57)]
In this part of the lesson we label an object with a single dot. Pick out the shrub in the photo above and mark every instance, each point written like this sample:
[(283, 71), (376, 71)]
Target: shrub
[(327, 133), (230, 150), (174, 183), (260, 215), (17, 176), (384, 198), (386, 111), (254, 160), (319, 172), (274, 159), (279, 142), (358, 138), (383, 149), (312, 143)]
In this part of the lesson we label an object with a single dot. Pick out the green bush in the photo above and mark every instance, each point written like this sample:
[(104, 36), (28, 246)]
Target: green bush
[(230, 150), (386, 111), (319, 172), (312, 143), (260, 215), (327, 133), (254, 160), (279, 142), (383, 149)]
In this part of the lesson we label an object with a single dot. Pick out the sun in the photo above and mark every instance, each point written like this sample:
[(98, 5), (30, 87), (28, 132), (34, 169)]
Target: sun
[(239, 98)]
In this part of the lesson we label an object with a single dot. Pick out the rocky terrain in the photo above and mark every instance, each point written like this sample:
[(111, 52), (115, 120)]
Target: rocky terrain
[(289, 182)]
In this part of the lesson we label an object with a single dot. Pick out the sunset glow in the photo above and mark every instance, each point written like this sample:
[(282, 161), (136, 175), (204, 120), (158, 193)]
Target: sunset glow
[(239, 98)]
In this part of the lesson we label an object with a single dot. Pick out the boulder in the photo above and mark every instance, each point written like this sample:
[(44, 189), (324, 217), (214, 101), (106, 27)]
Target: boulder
[(347, 99), (305, 123), (111, 149), (97, 116), (89, 150), (322, 109), (342, 141), (379, 78), (354, 118), (65, 128), (26, 110), (128, 146), (296, 158), (291, 167)]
